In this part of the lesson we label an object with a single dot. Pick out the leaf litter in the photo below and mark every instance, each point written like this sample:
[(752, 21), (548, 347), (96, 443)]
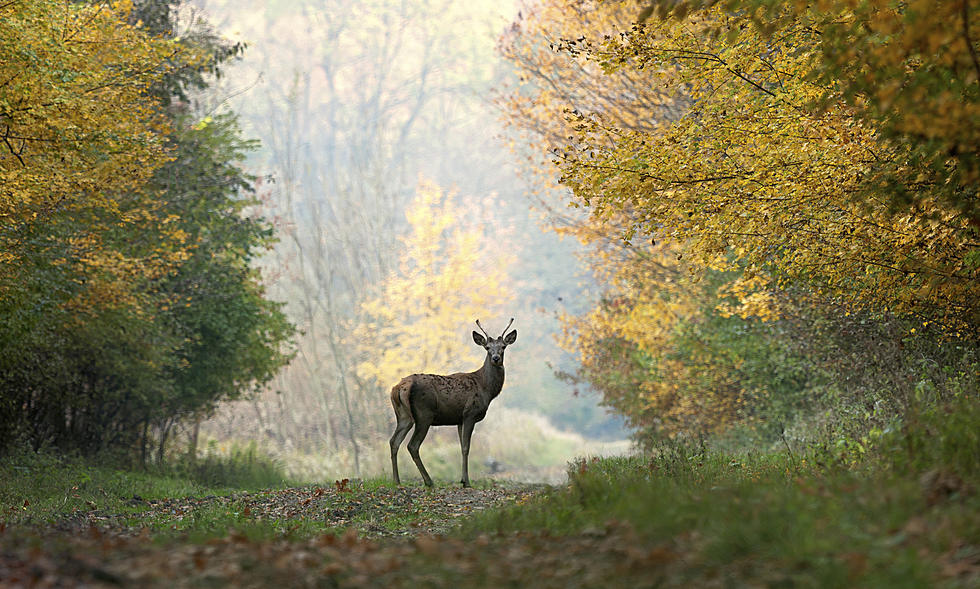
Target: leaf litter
[(340, 535)]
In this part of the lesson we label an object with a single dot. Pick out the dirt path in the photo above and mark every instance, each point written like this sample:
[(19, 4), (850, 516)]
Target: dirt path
[(382, 512), (360, 536), (382, 537)]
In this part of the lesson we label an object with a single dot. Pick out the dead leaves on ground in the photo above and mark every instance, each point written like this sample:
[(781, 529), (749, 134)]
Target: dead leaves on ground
[(364, 549), (96, 558), (338, 544)]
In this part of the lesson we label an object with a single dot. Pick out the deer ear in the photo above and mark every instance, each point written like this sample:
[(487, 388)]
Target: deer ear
[(479, 339), (511, 337)]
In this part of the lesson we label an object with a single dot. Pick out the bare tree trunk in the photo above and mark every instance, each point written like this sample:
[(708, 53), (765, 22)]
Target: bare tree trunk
[(164, 433), (192, 445), (144, 441)]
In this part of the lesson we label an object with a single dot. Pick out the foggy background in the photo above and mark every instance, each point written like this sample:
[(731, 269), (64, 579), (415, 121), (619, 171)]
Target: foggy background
[(361, 108)]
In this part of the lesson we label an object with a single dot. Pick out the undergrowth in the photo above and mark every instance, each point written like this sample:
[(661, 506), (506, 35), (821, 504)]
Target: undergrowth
[(41, 487), (900, 510)]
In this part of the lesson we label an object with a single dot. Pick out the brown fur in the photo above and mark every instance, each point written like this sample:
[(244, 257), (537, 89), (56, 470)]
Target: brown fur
[(460, 399)]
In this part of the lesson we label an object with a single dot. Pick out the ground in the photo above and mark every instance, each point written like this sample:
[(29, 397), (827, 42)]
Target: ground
[(343, 534)]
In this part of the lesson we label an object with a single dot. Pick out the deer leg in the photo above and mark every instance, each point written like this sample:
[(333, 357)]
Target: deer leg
[(401, 430), (421, 429), (465, 431)]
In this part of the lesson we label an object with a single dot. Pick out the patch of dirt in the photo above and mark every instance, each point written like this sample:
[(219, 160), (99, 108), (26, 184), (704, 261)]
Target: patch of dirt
[(373, 513), (372, 532)]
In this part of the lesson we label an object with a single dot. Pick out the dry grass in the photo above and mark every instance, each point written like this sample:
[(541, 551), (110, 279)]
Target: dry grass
[(507, 445)]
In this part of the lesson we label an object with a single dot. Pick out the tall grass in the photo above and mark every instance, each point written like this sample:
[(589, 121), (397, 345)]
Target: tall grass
[(903, 511), (42, 486), (240, 466)]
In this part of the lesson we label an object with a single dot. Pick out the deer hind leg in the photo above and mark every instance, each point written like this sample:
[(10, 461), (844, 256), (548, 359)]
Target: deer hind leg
[(403, 416), (465, 431), (421, 429), (401, 430)]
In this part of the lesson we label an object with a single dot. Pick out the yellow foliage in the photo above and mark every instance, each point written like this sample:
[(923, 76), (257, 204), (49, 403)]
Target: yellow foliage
[(781, 144), (77, 129), (751, 296), (750, 165), (625, 344), (448, 275), (552, 83)]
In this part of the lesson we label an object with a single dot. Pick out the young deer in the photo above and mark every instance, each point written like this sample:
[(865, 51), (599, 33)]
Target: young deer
[(459, 399)]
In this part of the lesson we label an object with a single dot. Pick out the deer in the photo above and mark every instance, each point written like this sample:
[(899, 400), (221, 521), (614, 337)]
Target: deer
[(459, 399)]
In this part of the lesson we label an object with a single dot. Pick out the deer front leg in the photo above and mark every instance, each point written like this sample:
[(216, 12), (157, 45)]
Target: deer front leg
[(465, 431), (421, 429)]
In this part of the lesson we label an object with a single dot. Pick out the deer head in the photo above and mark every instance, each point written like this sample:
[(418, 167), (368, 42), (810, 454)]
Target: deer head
[(495, 346)]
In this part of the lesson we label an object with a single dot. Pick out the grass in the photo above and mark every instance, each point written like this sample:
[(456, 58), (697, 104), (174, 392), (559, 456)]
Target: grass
[(902, 513), (899, 507), (42, 487), (240, 494), (221, 520)]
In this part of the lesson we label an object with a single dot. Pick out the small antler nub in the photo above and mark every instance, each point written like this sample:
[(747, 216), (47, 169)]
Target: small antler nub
[(508, 327)]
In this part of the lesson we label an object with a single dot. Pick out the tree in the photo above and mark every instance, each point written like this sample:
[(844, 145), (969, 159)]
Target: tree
[(448, 275), (753, 167), (911, 70), (768, 169), (374, 95), (77, 131), (125, 288), (231, 340)]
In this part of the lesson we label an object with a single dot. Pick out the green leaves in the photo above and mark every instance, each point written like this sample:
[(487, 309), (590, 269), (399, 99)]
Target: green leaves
[(126, 296), (775, 147)]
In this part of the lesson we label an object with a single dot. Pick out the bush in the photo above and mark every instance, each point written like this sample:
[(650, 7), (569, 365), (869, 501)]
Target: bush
[(245, 467)]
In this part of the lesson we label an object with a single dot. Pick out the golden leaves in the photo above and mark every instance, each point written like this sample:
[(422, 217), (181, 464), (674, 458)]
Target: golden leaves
[(78, 129), (779, 143), (756, 164), (449, 274)]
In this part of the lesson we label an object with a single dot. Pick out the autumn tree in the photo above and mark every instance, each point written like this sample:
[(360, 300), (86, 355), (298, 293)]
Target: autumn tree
[(372, 95), (448, 275), (77, 131), (773, 163), (911, 70), (126, 292), (753, 167)]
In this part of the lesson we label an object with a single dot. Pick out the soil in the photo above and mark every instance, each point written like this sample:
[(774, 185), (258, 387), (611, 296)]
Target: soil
[(385, 512), (371, 531)]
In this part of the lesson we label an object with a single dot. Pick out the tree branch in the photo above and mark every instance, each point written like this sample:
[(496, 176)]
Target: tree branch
[(10, 146), (969, 41)]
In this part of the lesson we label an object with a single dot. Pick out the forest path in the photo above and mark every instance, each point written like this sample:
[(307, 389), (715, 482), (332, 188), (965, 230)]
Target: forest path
[(372, 510), (343, 534)]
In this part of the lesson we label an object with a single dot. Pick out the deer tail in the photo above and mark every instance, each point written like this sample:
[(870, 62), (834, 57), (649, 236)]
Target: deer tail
[(401, 398)]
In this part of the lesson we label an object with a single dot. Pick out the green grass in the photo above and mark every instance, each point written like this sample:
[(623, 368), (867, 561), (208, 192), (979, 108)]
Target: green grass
[(221, 520), (240, 494), (41, 487), (896, 507), (902, 512)]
